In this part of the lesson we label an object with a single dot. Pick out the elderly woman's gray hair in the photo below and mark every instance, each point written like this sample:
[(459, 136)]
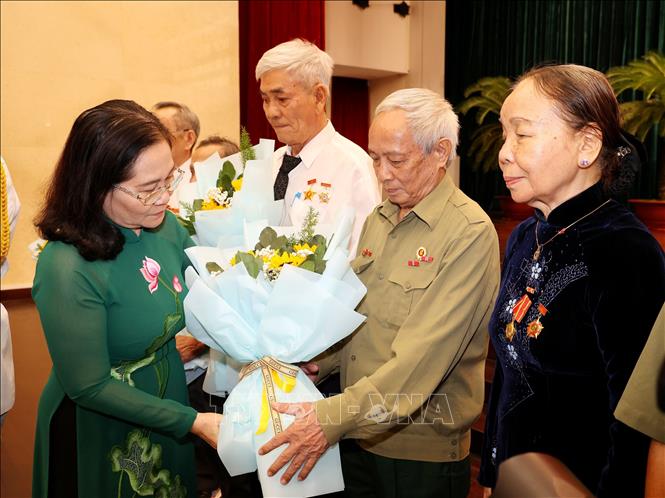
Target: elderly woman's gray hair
[(300, 58), (430, 117)]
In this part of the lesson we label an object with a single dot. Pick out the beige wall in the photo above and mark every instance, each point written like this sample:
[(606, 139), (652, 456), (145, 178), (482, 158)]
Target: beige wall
[(367, 43), (426, 59), (60, 58), (426, 53)]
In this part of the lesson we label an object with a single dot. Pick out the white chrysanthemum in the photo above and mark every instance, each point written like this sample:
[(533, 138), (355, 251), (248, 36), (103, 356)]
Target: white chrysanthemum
[(220, 196), (266, 251)]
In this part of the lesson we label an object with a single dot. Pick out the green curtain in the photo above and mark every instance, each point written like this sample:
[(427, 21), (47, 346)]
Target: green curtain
[(507, 37)]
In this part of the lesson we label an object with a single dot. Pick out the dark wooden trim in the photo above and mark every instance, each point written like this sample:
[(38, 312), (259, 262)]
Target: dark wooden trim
[(22, 293)]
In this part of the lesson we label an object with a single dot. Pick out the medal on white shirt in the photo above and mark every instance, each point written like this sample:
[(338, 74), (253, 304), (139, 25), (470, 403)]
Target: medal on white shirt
[(324, 195), (310, 192)]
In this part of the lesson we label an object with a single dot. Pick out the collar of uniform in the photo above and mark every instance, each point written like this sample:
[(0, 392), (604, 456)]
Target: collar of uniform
[(429, 210), (313, 148)]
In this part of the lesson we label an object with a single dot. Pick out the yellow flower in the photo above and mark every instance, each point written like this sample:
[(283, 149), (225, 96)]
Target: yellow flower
[(236, 184), (209, 205)]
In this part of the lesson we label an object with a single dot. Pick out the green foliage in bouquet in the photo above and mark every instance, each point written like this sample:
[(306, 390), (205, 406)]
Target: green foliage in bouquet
[(226, 183), (246, 150), (187, 218), (273, 251), (226, 175)]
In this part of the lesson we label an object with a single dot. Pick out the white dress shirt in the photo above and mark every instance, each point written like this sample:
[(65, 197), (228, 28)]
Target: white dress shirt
[(334, 173), (7, 388), (174, 201)]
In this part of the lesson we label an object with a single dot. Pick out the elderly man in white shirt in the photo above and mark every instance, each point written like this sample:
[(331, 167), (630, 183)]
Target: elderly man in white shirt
[(318, 167)]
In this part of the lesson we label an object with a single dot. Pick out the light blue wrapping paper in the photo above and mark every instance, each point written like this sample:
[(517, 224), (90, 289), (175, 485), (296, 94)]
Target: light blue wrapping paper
[(225, 227), (293, 319)]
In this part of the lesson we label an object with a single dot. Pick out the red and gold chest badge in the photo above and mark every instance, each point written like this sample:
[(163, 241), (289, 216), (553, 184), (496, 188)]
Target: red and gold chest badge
[(324, 195), (534, 327), (310, 192)]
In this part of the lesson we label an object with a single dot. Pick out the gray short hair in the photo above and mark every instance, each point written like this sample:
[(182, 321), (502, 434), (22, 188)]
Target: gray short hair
[(185, 117), (301, 59), (430, 117)]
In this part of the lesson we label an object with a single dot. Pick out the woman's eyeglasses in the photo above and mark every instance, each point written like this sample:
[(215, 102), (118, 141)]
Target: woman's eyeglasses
[(151, 198)]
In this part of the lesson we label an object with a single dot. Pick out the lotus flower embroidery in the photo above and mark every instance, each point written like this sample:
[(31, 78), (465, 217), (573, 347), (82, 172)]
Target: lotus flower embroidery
[(176, 284), (150, 272)]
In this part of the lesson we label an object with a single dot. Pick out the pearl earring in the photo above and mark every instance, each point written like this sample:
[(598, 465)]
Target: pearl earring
[(584, 163)]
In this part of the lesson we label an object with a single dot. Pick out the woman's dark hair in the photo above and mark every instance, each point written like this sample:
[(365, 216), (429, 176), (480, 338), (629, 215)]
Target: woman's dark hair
[(583, 97), (100, 151)]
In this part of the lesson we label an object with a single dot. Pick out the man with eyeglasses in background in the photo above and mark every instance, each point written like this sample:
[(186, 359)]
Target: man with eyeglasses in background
[(184, 126)]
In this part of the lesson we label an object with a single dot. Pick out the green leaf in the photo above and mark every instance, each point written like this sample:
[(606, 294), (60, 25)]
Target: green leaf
[(280, 243), (141, 461), (640, 115), (175, 490), (170, 322), (225, 184), (188, 224), (214, 268), (308, 265), (486, 95), (197, 205), (309, 224), (124, 371), (246, 150), (228, 170), (646, 75), (319, 240), (267, 237), (486, 142), (253, 264), (320, 266)]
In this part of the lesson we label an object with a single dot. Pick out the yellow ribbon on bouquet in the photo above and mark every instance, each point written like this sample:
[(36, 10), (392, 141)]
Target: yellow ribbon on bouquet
[(274, 373)]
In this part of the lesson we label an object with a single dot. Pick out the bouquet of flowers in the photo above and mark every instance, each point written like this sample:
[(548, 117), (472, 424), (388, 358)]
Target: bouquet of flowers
[(218, 197), (230, 192), (286, 301), (273, 251)]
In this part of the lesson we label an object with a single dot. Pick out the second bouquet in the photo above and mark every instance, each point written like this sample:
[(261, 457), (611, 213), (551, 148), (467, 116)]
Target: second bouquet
[(283, 302)]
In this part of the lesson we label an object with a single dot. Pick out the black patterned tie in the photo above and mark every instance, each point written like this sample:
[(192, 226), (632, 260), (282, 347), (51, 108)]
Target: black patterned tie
[(282, 180)]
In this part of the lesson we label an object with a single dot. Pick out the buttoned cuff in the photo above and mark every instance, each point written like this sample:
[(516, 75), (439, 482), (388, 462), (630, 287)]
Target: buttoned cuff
[(336, 416)]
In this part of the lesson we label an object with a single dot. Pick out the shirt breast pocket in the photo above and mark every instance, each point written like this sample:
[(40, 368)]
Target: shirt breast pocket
[(361, 263), (407, 286)]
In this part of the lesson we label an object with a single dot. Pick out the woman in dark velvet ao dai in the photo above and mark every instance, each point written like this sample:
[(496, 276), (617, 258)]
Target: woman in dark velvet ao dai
[(582, 283)]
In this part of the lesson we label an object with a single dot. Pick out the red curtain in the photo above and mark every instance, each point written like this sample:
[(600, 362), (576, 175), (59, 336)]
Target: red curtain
[(262, 25), (350, 109)]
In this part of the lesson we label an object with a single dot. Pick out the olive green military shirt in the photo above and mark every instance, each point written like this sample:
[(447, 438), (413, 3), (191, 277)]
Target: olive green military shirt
[(413, 373), (638, 407)]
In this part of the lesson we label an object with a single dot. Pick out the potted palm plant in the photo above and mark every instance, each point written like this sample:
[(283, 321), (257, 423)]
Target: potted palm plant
[(646, 77), (486, 97)]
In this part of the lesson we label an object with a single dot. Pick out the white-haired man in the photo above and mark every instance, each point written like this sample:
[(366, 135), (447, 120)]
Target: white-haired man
[(413, 373), (318, 167), (184, 126)]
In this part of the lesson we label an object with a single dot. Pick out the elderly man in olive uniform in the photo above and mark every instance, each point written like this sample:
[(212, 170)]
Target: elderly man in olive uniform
[(413, 373)]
